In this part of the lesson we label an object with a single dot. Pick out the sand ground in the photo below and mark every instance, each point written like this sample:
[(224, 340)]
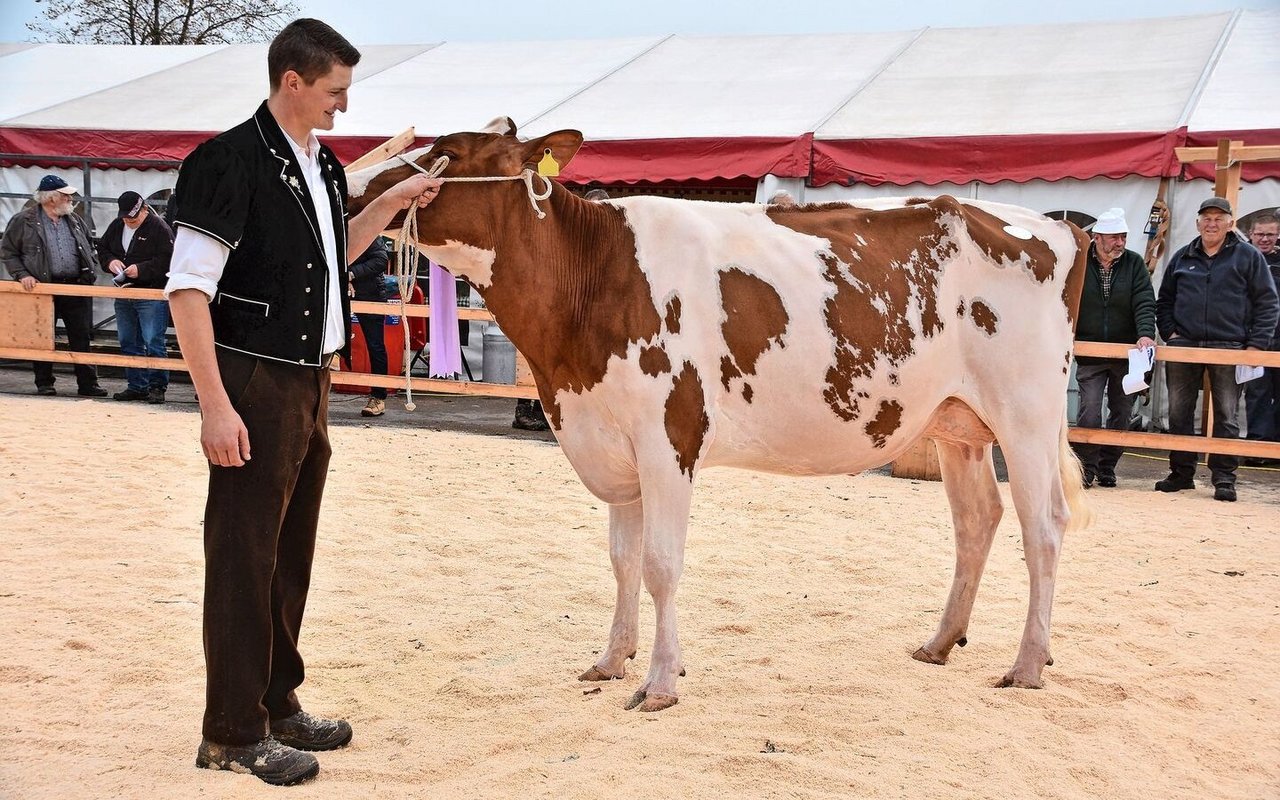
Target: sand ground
[(462, 582)]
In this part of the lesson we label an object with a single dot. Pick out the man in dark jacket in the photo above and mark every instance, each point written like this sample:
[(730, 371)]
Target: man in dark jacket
[(368, 274), (258, 291), (1216, 292), (1117, 304), (1262, 395), (136, 249), (49, 243)]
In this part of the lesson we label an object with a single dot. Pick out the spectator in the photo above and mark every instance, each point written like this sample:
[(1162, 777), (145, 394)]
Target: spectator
[(1117, 304), (257, 290), (1216, 292), (368, 282), (782, 198), (1262, 395), (49, 243), (136, 249)]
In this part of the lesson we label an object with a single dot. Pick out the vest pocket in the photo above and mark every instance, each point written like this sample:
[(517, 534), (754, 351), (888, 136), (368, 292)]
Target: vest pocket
[(246, 305)]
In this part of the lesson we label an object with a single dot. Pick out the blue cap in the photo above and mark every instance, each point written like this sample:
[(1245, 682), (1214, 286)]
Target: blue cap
[(52, 183)]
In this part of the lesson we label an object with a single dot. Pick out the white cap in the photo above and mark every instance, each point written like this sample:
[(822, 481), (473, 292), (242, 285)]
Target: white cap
[(1111, 221)]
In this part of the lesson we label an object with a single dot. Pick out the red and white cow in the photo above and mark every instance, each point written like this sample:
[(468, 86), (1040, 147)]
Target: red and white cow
[(667, 336)]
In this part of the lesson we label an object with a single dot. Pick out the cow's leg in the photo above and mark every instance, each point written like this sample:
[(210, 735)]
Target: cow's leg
[(1036, 485), (626, 531), (666, 520), (969, 475)]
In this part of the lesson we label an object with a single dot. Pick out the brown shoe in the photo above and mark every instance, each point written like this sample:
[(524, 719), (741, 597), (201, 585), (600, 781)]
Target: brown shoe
[(305, 732), (373, 408), (269, 760)]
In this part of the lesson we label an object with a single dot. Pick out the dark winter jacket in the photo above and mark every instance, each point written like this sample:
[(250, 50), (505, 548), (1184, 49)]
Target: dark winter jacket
[(25, 251), (1228, 298), (1128, 314), (149, 250), (368, 271)]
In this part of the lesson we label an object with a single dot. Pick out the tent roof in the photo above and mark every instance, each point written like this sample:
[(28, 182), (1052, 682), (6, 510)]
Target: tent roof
[(997, 103)]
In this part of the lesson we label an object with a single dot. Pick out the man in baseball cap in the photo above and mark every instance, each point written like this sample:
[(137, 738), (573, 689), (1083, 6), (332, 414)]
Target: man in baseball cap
[(48, 243)]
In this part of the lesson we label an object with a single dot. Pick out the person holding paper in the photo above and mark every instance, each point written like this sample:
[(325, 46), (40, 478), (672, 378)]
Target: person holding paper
[(1117, 304), (1262, 396), (1216, 292)]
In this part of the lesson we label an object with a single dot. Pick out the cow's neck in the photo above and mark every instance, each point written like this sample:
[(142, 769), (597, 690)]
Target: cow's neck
[(567, 285)]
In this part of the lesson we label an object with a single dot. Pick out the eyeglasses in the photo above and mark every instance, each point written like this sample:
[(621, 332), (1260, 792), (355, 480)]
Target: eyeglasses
[(1265, 235)]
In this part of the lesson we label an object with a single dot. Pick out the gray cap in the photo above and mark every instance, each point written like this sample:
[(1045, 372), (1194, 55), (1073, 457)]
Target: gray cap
[(1216, 202)]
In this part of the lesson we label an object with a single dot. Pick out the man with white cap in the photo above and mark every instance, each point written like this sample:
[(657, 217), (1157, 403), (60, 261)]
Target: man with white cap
[(1216, 292), (49, 243), (1117, 304)]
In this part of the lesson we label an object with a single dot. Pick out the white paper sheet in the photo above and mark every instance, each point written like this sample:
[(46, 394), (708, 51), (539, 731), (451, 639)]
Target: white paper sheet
[(1141, 360), (1245, 374)]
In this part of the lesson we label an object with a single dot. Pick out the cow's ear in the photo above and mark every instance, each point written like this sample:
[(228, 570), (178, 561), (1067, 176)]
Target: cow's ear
[(503, 126), (562, 144)]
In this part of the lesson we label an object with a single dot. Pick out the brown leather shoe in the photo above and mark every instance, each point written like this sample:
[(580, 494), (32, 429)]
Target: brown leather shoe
[(373, 408), (305, 732), (269, 760)]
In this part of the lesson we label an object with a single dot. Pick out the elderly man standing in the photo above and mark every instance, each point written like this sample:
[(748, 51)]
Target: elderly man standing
[(47, 243), (1117, 304), (136, 250), (1262, 395), (1217, 292)]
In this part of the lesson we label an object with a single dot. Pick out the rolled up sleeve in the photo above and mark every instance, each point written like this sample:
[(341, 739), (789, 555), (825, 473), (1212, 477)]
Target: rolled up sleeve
[(197, 263)]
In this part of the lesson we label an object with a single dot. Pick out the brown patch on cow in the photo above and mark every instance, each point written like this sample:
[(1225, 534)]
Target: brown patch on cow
[(960, 308), (654, 361), (686, 417), (887, 420), (1066, 363), (1075, 278), (754, 321), (747, 392), (988, 233), (894, 380), (985, 317), (882, 265), (672, 318)]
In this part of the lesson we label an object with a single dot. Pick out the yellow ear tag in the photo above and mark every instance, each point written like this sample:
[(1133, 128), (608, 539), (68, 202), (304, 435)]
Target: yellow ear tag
[(548, 167)]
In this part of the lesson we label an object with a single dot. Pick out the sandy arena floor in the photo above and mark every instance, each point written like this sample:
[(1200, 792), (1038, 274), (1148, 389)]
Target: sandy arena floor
[(462, 583)]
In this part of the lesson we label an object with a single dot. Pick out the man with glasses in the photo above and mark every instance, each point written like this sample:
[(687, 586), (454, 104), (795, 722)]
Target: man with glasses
[(1117, 304), (1262, 395), (1216, 292)]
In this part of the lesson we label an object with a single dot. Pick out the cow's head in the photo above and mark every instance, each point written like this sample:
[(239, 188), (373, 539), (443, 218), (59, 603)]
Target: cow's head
[(458, 227)]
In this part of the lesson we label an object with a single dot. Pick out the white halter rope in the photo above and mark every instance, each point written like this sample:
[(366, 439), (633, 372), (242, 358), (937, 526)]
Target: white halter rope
[(407, 244)]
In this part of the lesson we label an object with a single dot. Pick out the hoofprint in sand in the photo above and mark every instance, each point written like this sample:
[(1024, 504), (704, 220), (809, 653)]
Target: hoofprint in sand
[(462, 583)]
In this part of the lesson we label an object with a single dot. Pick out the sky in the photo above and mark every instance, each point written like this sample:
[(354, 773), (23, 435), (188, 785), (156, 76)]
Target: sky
[(419, 21)]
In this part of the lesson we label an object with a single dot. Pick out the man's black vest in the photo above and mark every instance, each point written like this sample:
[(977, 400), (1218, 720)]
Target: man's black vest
[(246, 189)]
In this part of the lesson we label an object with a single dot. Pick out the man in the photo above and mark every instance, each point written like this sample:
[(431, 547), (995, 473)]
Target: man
[(49, 243), (136, 250), (367, 283), (1216, 292), (1117, 304), (258, 294), (1262, 395)]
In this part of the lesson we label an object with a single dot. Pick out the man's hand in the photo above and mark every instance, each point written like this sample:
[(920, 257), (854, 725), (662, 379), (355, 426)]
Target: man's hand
[(131, 271), (417, 187), (116, 266), (224, 438), (1146, 341), (28, 282)]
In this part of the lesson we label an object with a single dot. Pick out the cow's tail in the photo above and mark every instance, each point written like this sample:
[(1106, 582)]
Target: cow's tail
[(1070, 472)]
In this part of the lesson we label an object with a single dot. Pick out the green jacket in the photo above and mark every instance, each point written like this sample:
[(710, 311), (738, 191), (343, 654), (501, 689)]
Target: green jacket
[(1127, 315)]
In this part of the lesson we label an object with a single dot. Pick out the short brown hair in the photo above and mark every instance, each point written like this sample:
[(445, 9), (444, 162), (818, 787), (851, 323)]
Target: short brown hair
[(310, 48), (1264, 219)]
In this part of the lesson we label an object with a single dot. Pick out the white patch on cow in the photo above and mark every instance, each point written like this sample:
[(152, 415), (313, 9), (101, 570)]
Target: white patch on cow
[(499, 125), (358, 181), (464, 261), (1017, 232)]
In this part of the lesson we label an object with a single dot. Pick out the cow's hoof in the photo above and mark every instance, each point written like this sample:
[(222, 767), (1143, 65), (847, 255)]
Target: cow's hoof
[(924, 655), (651, 701), (1018, 680), (597, 674)]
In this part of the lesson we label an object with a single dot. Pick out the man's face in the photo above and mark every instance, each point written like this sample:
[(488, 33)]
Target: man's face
[(134, 222), (1213, 225), (1263, 236), (59, 205), (318, 103), (1110, 245)]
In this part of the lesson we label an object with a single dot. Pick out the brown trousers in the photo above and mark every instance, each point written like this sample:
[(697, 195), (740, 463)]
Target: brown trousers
[(259, 540)]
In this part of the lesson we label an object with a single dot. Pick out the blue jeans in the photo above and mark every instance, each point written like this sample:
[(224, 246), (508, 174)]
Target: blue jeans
[(1184, 382), (141, 324), (1262, 404), (1095, 381)]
